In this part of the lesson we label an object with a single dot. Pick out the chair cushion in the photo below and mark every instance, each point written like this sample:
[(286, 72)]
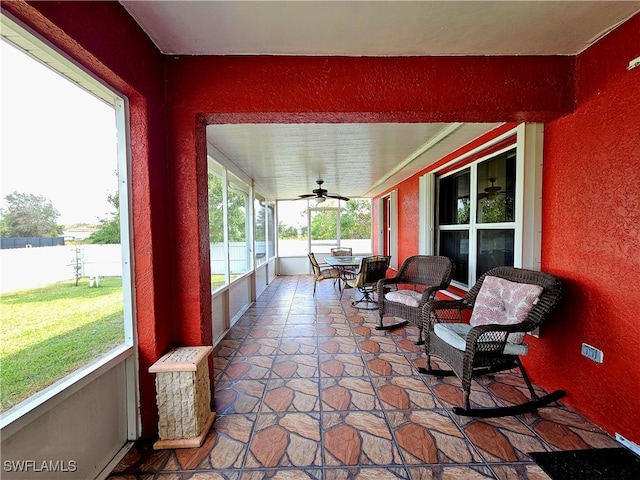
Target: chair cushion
[(410, 298), (455, 334), (504, 302), (328, 273)]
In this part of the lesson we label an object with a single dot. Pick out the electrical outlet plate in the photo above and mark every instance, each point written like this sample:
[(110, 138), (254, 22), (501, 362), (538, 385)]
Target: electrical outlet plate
[(592, 353)]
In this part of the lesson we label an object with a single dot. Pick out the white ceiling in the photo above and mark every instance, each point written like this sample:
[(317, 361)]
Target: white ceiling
[(361, 159)]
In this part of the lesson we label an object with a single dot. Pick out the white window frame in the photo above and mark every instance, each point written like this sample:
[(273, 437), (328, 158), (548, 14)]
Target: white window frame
[(392, 198), (46, 399), (528, 206)]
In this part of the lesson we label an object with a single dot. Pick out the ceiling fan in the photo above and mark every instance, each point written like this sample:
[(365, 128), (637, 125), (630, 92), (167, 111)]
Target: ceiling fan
[(492, 191), (320, 194)]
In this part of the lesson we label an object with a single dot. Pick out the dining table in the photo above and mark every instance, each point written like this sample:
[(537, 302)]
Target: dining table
[(347, 266)]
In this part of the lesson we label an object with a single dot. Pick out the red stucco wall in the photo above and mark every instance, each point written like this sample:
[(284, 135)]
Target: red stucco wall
[(169, 174), (102, 38), (591, 238)]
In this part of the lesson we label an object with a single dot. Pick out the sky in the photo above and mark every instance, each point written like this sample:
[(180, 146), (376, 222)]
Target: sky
[(56, 140)]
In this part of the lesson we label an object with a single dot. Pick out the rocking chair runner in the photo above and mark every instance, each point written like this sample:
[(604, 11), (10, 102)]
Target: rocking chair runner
[(522, 299), (425, 275)]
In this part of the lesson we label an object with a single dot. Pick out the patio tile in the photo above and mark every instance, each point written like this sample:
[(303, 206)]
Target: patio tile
[(292, 395), (259, 346), (254, 367), (358, 438), (300, 346), (332, 398), (283, 440), (503, 439), (341, 365), (337, 345), (404, 393), (348, 393), (386, 364), (430, 437), (244, 396)]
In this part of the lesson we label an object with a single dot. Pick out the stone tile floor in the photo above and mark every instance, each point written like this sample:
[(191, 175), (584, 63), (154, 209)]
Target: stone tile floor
[(306, 388)]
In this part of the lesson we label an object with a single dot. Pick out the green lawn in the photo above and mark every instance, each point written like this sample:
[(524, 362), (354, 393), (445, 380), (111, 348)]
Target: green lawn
[(48, 332)]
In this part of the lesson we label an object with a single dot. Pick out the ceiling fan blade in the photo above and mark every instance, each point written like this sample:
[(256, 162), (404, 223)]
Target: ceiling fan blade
[(335, 195), (307, 195)]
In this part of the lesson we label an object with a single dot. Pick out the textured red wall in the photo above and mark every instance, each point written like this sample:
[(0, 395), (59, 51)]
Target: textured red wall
[(591, 238), (169, 173), (341, 89), (102, 38)]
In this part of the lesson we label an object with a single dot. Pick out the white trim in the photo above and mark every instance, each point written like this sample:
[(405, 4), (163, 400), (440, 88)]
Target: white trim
[(528, 202), (24, 413), (393, 226), (530, 141), (123, 153), (471, 152), (426, 216), (18, 34), (108, 469), (37, 405)]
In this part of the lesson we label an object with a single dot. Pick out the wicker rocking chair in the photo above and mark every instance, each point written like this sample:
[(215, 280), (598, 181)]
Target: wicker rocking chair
[(483, 346), (422, 276)]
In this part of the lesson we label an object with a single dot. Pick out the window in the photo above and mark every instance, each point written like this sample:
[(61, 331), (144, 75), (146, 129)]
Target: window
[(482, 216), (238, 225), (487, 206), (217, 251), (72, 158), (305, 225), (260, 232), (264, 229)]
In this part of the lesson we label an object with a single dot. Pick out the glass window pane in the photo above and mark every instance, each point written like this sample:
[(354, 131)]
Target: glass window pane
[(455, 245), (355, 225), (454, 198), (324, 230), (495, 248), (292, 228), (237, 225), (62, 301), (216, 232), (496, 189), (271, 230), (260, 229)]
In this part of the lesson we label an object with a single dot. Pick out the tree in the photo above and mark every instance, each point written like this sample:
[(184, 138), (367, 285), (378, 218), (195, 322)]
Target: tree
[(287, 231), (355, 219), (236, 213), (355, 222), (29, 215), (109, 231)]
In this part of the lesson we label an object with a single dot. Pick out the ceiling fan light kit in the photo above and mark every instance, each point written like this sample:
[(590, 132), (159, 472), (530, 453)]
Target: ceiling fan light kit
[(320, 194)]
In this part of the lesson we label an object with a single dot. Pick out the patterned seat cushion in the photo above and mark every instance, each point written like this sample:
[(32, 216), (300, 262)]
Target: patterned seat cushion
[(410, 298), (503, 302)]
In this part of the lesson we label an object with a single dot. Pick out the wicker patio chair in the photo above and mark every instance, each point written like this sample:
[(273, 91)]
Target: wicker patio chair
[(371, 270), (522, 300), (420, 277), (320, 273)]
